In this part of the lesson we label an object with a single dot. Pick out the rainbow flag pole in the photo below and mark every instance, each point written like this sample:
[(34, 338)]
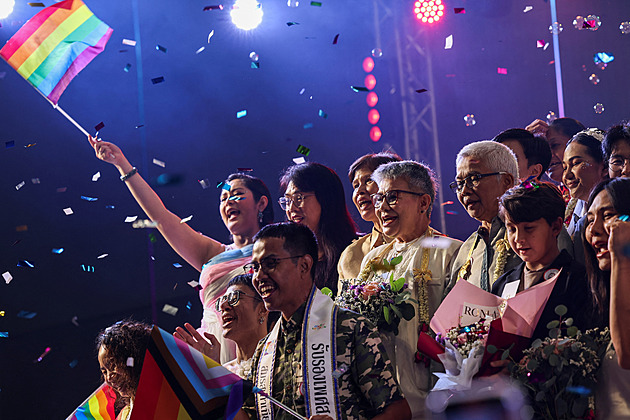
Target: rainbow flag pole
[(279, 404), (54, 46)]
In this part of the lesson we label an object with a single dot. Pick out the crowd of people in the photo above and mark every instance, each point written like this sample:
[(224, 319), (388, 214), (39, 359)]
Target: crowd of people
[(551, 198)]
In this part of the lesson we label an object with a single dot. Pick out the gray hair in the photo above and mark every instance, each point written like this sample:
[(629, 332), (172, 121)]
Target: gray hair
[(418, 175), (497, 156)]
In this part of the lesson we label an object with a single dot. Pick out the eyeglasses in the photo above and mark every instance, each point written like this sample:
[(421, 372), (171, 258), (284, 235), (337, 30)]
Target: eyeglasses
[(232, 299), (617, 163), (390, 196), (471, 181), (297, 199), (266, 264)]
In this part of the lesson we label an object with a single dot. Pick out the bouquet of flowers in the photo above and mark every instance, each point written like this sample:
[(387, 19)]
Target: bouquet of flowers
[(382, 299), (559, 372)]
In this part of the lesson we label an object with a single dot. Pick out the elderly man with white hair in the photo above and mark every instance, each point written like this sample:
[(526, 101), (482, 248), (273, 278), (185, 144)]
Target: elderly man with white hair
[(485, 170), (406, 191)]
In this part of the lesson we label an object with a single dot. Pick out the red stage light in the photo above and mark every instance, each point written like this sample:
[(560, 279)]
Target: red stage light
[(373, 116), (428, 11), (371, 99), (368, 64), (370, 81), (375, 133)]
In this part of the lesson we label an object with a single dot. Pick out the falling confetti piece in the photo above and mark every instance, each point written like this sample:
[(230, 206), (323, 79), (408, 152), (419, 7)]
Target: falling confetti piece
[(62, 189), (255, 65), (7, 277), (302, 91), (87, 268), (205, 183), (129, 42), (169, 309), (20, 185), (217, 7), (127, 67), (153, 240), (446, 203), (459, 10), (36, 4), (30, 145), (210, 35), (100, 257), (335, 39), (68, 211), (186, 219), (452, 213), (160, 48), (157, 80), (74, 363), (24, 263), (9, 144), (449, 42), (21, 228), (177, 265), (193, 283), (200, 50), (99, 126), (322, 114), (26, 314), (359, 88), (57, 250), (141, 125), (292, 23), (308, 125), (95, 177), (236, 198), (421, 90), (4, 334), (130, 219), (41, 356), (527, 9), (225, 186), (540, 43), (316, 3), (159, 163), (501, 70), (123, 51), (35, 181), (603, 57), (88, 198), (110, 207), (188, 305), (241, 114), (130, 361), (303, 150), (143, 224), (436, 242), (245, 169), (75, 320), (299, 160)]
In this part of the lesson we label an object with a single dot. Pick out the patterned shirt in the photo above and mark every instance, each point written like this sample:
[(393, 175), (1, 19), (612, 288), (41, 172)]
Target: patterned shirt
[(367, 384)]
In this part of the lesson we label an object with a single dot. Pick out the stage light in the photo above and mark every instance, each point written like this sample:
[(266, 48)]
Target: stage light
[(6, 8), (373, 116), (428, 11), (246, 14), (371, 99), (370, 81), (368, 64), (375, 133)]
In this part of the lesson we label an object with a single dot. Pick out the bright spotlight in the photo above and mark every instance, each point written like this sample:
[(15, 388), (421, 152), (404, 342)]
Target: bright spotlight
[(246, 14), (428, 11), (6, 7)]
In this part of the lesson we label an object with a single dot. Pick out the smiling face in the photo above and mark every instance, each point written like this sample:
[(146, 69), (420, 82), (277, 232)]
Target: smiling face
[(308, 213), (534, 242), (598, 219), (620, 151), (239, 210), (481, 202), (362, 188), (581, 172), (557, 142), (285, 287), (242, 320), (407, 219), (115, 377)]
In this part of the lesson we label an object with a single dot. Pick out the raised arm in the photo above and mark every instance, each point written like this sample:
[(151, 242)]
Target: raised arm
[(192, 246), (618, 244)]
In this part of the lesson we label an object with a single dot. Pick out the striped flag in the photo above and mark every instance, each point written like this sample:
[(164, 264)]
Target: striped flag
[(55, 45), (180, 383), (98, 406)]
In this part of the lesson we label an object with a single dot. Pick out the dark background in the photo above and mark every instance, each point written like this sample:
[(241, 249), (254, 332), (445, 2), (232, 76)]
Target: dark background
[(190, 124)]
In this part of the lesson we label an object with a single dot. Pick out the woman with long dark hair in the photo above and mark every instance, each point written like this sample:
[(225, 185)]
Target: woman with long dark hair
[(314, 196)]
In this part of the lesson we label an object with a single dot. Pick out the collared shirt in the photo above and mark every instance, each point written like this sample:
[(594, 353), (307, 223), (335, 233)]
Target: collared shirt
[(366, 387), (349, 266)]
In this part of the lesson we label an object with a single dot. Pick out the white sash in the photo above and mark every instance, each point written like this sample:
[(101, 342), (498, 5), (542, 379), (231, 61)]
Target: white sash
[(318, 344)]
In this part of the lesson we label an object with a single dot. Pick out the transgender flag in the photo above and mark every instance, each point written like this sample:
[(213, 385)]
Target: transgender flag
[(55, 45)]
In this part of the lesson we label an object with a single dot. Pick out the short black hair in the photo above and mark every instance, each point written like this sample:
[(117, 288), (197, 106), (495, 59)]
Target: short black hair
[(371, 161), (298, 239), (531, 201), (536, 149), (567, 126), (614, 135)]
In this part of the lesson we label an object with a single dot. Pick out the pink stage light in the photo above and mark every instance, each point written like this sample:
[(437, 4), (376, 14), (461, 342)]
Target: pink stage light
[(428, 11)]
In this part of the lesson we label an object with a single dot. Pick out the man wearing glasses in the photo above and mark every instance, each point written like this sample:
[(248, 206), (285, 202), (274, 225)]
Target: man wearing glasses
[(319, 360), (485, 170)]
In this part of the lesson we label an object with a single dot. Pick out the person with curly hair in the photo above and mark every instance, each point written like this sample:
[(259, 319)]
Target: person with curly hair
[(121, 349)]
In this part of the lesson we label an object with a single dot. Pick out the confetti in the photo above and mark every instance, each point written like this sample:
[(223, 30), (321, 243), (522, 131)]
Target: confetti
[(26, 314), (74, 363), (141, 125), (4, 334), (421, 90), (177, 265), (143, 224), (302, 91), (459, 10), (188, 305), (129, 42), (24, 263), (7, 277), (193, 283), (236, 198), (35, 181), (87, 268), (200, 50), (292, 23), (217, 7), (127, 67), (225, 186), (359, 88), (169, 309), (159, 163), (436, 242), (36, 4), (186, 219), (75, 320), (130, 361), (68, 211), (316, 3), (57, 250), (245, 169), (20, 185), (303, 150), (452, 213), (299, 160), (30, 145), (88, 198), (9, 144), (1, 313), (95, 178), (41, 356), (335, 39), (157, 80), (527, 9), (100, 257), (322, 114), (153, 240), (501, 70), (110, 207), (210, 35), (449, 42), (540, 43), (592, 23), (130, 219), (99, 126), (446, 203), (603, 57), (254, 65), (160, 48), (205, 183), (308, 125), (241, 114)]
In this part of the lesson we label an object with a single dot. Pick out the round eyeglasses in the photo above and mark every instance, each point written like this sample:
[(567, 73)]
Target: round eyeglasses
[(232, 299), (266, 264), (391, 197)]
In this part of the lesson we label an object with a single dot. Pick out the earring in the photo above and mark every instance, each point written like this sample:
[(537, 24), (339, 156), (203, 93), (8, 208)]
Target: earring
[(261, 320), (260, 220)]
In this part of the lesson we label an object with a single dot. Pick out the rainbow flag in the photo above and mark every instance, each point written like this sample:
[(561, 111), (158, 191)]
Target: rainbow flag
[(178, 382), (98, 406), (55, 45)]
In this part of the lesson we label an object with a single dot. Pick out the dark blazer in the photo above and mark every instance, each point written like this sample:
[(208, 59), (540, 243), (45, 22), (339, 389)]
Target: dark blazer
[(571, 290)]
